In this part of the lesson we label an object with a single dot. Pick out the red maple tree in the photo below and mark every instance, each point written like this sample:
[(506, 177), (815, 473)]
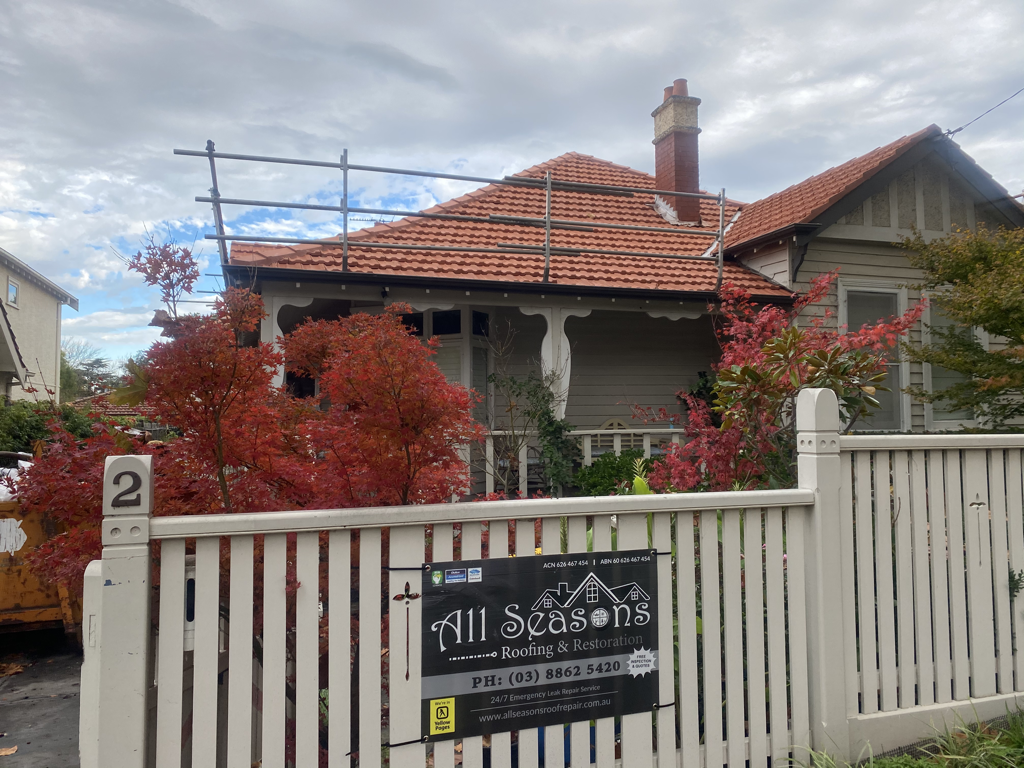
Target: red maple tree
[(386, 428)]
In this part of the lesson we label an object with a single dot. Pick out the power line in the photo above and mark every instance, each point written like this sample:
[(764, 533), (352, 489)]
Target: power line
[(954, 132)]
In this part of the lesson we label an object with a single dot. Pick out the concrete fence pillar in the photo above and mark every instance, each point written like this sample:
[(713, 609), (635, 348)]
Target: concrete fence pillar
[(123, 645), (818, 469)]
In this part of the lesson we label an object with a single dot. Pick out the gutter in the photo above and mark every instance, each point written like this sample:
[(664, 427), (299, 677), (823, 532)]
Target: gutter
[(17, 265), (243, 276)]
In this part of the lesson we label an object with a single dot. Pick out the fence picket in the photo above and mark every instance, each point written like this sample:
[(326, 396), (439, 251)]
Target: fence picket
[(884, 513), (207, 654), (957, 577), (797, 600), (275, 557), (405, 631), (754, 587), (579, 733), (369, 647), (776, 602), (528, 738), (686, 600), (444, 751), (170, 663), (637, 733), (922, 580), (240, 660), (554, 737), (938, 545), (1000, 570), (732, 599), (902, 513), (1015, 513), (501, 743), (977, 535), (666, 715), (307, 648), (472, 746), (866, 584), (712, 637), (339, 648), (847, 533)]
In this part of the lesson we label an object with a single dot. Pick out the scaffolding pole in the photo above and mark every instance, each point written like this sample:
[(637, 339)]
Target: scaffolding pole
[(548, 184), (218, 214)]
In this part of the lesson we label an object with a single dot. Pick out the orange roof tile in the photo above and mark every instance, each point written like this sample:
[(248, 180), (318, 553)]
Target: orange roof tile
[(801, 203), (100, 404), (583, 269)]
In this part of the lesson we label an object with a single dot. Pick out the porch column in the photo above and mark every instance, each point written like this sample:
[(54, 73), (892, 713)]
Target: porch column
[(555, 351), (828, 579), (270, 330)]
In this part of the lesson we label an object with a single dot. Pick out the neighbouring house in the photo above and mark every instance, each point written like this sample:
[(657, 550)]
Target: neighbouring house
[(141, 417), (614, 325), (30, 349)]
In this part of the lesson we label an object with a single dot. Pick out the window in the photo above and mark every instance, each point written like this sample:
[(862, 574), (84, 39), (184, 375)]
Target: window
[(591, 593), (481, 324), (414, 322), (447, 323), (547, 602), (865, 304), (13, 292), (478, 381)]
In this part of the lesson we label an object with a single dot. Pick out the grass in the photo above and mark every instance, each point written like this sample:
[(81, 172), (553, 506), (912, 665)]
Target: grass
[(963, 746)]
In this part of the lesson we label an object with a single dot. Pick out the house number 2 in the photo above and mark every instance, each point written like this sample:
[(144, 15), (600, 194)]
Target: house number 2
[(122, 499)]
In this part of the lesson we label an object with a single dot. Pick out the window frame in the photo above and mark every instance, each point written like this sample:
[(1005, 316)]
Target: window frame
[(932, 424), (881, 285), (17, 286)]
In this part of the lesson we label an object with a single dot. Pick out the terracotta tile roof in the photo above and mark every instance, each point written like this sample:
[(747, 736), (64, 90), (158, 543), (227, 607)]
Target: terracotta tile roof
[(100, 404), (583, 269), (802, 202)]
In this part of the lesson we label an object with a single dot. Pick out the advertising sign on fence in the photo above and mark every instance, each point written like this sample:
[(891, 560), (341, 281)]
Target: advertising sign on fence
[(523, 642)]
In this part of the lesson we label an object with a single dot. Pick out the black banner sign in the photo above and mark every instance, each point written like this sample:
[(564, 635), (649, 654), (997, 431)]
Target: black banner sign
[(525, 642)]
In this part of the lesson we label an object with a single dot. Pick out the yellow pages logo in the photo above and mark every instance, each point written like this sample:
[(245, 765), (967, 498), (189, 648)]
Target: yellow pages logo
[(442, 716)]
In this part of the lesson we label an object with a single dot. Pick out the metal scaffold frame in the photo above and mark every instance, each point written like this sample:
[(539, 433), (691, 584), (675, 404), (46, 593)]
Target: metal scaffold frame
[(549, 184)]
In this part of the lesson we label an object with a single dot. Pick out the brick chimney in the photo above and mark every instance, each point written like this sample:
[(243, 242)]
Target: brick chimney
[(675, 150)]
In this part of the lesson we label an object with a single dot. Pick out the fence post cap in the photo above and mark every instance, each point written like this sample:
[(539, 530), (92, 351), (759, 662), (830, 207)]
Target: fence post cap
[(817, 410), (128, 486)]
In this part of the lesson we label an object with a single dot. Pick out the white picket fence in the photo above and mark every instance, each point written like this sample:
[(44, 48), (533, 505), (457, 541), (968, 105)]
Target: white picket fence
[(831, 615)]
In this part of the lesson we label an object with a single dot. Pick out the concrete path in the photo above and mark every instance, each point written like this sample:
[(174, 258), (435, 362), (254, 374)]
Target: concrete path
[(39, 707)]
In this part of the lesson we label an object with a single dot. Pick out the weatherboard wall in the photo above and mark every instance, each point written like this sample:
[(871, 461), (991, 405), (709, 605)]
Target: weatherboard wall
[(35, 320)]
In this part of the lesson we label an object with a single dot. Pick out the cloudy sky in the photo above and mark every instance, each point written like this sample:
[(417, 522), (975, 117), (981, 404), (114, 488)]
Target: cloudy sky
[(96, 94)]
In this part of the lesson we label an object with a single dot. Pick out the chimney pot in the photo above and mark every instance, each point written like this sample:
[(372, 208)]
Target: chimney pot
[(668, 93), (679, 88)]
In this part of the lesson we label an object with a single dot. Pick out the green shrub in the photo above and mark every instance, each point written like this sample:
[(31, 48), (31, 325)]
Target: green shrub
[(607, 473), (23, 423)]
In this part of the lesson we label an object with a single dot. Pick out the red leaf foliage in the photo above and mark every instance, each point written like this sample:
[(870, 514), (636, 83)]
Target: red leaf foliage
[(766, 360), (386, 429)]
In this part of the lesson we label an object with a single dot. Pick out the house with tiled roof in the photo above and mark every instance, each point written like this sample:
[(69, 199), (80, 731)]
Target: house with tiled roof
[(618, 311), (141, 416)]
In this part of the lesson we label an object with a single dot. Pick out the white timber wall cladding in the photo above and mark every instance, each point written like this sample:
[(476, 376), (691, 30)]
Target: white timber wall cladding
[(863, 265), (772, 262), (619, 358)]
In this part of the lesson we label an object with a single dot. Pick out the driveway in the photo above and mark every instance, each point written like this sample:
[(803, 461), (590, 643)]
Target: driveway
[(39, 706)]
